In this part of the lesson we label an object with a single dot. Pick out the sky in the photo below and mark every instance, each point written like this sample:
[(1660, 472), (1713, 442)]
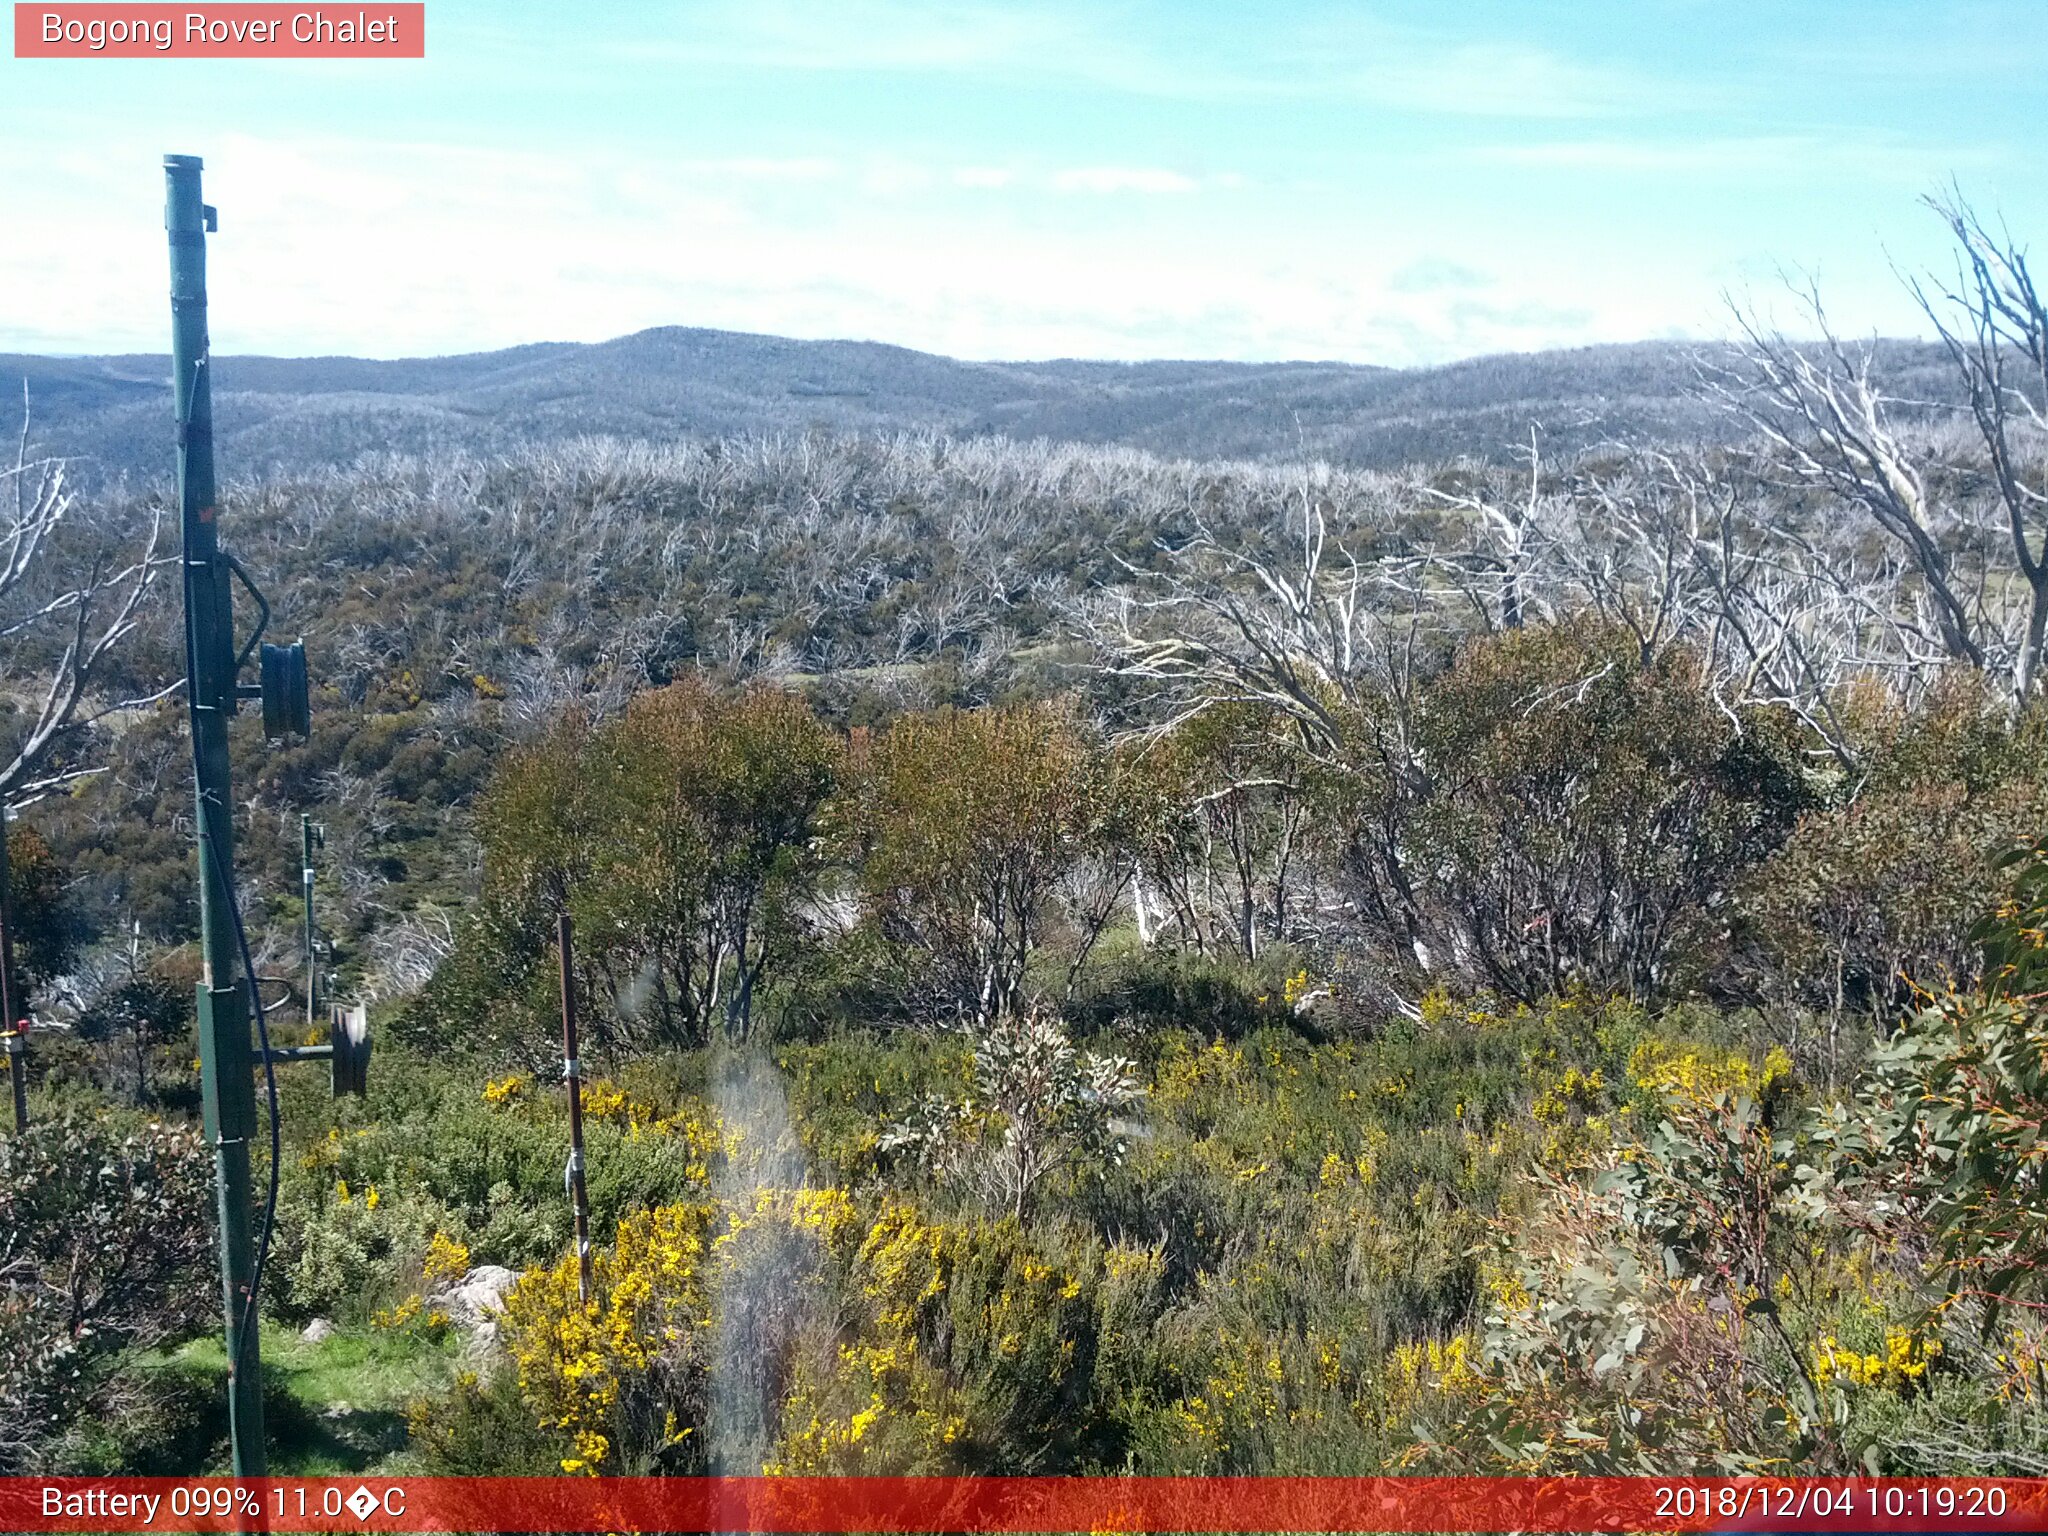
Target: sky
[(1394, 183)]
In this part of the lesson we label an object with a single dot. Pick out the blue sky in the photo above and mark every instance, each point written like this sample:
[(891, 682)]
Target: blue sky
[(1379, 182)]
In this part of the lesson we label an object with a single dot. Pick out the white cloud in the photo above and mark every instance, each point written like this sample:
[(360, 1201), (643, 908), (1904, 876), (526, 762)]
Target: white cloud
[(1116, 178), (430, 248), (765, 168), (1433, 273), (1882, 158), (891, 177)]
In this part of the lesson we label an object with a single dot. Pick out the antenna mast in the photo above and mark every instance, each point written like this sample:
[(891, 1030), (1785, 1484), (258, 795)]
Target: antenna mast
[(226, 1060)]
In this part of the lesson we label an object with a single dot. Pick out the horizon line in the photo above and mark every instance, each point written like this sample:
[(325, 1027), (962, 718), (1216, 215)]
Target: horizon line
[(993, 362)]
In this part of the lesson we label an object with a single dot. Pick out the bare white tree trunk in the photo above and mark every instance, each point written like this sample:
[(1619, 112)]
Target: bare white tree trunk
[(82, 616)]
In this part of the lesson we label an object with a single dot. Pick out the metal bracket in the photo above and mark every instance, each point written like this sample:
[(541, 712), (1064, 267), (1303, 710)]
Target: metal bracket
[(301, 1053), (262, 619)]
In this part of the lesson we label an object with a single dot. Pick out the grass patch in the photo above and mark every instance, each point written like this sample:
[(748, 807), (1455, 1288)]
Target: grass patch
[(334, 1407)]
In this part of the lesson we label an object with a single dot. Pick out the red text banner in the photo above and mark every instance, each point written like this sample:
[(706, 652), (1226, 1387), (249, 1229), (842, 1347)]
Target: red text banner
[(1016, 1504), (233, 31)]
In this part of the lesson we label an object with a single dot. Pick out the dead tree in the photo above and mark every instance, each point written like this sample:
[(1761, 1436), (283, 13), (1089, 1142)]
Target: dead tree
[(60, 623), (1973, 535), (1279, 613), (1507, 530), (1991, 321)]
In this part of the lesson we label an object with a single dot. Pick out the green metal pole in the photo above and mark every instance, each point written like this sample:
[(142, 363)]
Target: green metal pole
[(225, 1058)]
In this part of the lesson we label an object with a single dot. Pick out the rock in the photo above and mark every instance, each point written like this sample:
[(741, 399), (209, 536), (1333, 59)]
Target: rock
[(474, 1300), (318, 1331), (481, 1347)]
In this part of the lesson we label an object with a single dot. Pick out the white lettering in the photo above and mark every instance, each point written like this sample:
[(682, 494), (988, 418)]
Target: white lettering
[(201, 28), (319, 27)]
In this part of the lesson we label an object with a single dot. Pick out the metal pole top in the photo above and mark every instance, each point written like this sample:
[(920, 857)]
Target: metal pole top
[(185, 216)]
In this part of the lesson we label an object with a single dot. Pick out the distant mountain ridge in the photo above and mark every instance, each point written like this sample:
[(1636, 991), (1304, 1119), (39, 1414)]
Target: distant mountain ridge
[(283, 414)]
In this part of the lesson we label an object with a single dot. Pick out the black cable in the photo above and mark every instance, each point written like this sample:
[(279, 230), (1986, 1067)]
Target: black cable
[(242, 939), (234, 907)]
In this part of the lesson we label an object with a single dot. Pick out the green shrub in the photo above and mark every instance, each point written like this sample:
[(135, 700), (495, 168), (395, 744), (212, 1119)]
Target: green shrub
[(482, 1426), (682, 838), (1871, 897), (105, 1242), (1946, 1128), (367, 1184), (1586, 800), (1034, 1110)]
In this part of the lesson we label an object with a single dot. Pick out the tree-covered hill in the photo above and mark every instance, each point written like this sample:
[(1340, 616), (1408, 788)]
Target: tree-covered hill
[(292, 414)]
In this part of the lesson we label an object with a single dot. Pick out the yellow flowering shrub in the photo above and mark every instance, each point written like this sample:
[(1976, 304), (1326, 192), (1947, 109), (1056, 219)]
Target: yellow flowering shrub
[(624, 1378), (1583, 1092), (1695, 1073), (967, 1337), (1425, 1375), (603, 1100), (2021, 1361), (587, 1369), (446, 1259), (1299, 1280), (1905, 1359)]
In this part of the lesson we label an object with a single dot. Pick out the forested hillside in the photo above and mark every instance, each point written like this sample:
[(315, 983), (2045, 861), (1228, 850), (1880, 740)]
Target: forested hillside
[(1092, 960), (296, 414)]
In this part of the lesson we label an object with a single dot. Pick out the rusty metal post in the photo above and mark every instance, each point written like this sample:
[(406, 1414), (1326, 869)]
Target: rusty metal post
[(16, 1042), (307, 837), (572, 1079)]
